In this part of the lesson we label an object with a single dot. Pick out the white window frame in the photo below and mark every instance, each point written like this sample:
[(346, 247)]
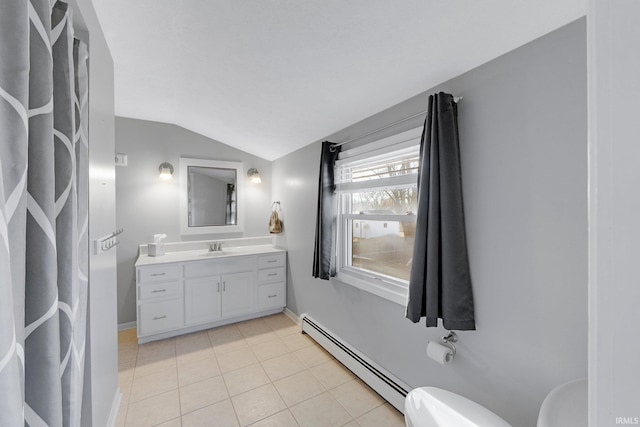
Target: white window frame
[(387, 287)]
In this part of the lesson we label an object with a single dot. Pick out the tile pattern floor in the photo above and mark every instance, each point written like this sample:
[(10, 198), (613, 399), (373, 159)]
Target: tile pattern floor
[(261, 372)]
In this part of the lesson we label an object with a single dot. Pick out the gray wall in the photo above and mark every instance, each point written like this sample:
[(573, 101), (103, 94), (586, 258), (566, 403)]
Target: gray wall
[(523, 132), (614, 230), (147, 206)]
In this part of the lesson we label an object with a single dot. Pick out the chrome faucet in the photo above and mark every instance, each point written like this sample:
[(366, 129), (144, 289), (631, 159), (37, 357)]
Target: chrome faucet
[(215, 247)]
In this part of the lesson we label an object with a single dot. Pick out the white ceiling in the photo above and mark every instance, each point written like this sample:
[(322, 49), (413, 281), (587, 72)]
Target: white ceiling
[(271, 76)]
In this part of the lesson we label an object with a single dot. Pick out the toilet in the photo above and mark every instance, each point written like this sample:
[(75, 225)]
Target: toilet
[(565, 406), (434, 407)]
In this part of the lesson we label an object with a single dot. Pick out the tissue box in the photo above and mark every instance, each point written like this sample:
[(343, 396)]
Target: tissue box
[(156, 249)]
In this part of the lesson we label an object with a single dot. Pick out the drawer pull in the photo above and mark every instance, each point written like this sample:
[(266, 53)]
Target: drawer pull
[(158, 290), (272, 260), (272, 274), (164, 316), (158, 274), (272, 296)]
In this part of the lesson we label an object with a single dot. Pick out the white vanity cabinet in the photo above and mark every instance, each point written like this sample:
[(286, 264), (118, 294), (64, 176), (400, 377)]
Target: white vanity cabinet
[(160, 297), (271, 280), (174, 298)]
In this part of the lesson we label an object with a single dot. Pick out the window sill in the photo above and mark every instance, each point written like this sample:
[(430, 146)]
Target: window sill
[(374, 285)]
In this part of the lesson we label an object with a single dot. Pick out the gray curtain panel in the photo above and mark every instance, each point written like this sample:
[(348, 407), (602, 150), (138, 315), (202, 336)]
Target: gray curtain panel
[(440, 280), (43, 207), (42, 345), (14, 90), (80, 56), (65, 195), (230, 211), (325, 242)]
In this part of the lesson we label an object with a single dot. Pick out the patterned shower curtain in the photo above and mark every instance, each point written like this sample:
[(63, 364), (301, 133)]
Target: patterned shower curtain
[(43, 214)]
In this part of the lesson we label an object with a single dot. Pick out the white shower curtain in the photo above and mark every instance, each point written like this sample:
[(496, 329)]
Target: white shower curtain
[(43, 215)]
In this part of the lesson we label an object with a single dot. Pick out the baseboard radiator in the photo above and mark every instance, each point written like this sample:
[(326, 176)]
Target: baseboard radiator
[(385, 384)]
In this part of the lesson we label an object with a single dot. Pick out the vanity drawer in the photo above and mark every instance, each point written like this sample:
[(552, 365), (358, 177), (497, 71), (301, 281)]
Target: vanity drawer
[(160, 273), (151, 291), (271, 275), (219, 266), (271, 296), (270, 261), (160, 316)]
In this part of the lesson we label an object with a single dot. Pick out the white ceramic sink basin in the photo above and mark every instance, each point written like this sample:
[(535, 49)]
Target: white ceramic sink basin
[(565, 406), (237, 250), (213, 254), (434, 407)]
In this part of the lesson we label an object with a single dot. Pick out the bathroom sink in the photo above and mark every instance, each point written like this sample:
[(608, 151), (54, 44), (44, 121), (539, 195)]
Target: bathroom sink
[(213, 254), (434, 407), (565, 406)]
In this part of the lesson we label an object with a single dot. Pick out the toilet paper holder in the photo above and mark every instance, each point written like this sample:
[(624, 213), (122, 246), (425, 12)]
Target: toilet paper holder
[(448, 341)]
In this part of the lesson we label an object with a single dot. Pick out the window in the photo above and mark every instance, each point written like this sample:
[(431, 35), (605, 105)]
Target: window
[(377, 198)]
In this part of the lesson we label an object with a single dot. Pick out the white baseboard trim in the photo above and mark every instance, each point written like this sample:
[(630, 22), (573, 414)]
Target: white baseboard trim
[(126, 326), (291, 315), (115, 408)]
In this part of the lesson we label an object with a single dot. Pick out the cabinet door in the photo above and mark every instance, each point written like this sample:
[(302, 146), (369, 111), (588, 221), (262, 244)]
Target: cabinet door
[(238, 294), (202, 300)]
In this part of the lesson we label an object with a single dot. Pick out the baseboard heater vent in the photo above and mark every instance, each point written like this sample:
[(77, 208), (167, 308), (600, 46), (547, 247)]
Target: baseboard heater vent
[(385, 384)]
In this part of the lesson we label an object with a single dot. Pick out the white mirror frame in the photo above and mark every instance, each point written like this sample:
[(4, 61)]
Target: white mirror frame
[(185, 163)]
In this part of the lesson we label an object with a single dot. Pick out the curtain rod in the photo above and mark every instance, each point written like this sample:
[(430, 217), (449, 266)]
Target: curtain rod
[(456, 99)]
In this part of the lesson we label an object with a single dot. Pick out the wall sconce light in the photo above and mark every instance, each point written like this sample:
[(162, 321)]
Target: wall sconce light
[(166, 171), (254, 176)]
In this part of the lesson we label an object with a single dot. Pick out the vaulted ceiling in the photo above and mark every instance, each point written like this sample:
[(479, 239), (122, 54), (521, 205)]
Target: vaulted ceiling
[(271, 76)]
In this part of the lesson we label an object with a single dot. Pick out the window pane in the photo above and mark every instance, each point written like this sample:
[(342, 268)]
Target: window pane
[(399, 201), (384, 169), (383, 247)]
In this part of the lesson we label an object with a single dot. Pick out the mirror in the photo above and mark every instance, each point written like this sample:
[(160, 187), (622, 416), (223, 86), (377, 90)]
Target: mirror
[(207, 188), (211, 194)]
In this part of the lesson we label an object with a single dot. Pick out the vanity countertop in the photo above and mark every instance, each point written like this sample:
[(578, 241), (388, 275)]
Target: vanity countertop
[(204, 254)]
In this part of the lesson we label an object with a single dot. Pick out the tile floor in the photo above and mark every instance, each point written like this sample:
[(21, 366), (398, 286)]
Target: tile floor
[(261, 372)]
